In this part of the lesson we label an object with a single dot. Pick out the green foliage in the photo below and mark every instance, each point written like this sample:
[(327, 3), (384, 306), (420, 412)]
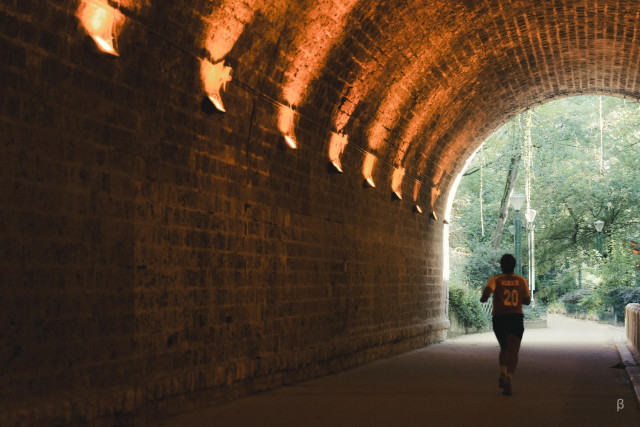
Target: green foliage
[(467, 307), (618, 298), (584, 169), (619, 267), (580, 301), (576, 297), (535, 312), (475, 267), (557, 282)]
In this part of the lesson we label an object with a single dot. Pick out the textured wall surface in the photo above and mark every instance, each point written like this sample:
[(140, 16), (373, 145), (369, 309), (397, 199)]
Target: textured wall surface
[(158, 255)]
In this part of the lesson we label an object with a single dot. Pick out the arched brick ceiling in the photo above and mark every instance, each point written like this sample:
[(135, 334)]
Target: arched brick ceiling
[(422, 83)]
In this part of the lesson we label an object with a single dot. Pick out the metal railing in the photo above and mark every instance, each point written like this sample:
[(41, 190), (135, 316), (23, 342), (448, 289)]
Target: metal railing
[(487, 307), (632, 324)]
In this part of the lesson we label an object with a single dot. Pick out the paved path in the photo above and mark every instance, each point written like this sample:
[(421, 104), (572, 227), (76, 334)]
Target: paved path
[(566, 376)]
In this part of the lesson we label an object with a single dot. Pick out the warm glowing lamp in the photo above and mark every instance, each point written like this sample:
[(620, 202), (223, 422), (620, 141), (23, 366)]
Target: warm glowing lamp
[(285, 124), (290, 140), (216, 100), (416, 192), (98, 20), (367, 170), (435, 192), (336, 165), (215, 78), (396, 183), (336, 147)]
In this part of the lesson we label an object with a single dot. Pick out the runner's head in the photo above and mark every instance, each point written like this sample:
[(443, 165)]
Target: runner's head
[(507, 263)]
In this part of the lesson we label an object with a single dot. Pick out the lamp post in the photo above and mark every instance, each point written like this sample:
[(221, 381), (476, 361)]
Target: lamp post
[(599, 224), (517, 200), (531, 215)]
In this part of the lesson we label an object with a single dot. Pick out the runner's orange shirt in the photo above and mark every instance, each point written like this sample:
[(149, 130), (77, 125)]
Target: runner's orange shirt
[(508, 291)]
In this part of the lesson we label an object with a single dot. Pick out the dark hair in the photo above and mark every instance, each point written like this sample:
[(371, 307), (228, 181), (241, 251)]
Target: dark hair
[(508, 263)]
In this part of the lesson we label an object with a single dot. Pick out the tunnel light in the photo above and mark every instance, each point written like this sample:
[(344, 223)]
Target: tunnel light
[(367, 170), (368, 182), (335, 165), (105, 45), (396, 183), (290, 140), (416, 193), (336, 148), (435, 193), (216, 100), (98, 19), (215, 78), (285, 124)]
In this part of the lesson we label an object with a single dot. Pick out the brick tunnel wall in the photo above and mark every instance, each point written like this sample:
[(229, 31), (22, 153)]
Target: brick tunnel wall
[(157, 255)]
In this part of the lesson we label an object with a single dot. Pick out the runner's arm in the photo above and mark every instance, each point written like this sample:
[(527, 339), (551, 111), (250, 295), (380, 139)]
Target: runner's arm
[(485, 295), (491, 286), (526, 300)]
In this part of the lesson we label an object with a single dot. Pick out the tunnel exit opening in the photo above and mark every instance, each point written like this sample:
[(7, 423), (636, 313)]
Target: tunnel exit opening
[(576, 163)]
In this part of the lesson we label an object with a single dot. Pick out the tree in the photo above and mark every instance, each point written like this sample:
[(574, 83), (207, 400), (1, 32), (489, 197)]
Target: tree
[(510, 184), (570, 190)]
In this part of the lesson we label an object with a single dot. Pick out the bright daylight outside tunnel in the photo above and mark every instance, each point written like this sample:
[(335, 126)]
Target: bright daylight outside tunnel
[(206, 199), (573, 164)]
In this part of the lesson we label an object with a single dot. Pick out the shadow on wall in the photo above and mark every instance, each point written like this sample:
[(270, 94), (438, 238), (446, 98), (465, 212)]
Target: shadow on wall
[(70, 316)]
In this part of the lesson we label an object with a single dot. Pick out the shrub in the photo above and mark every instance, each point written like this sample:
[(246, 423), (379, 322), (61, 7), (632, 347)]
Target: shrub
[(467, 307), (483, 263), (576, 297), (619, 297), (537, 312), (557, 307), (556, 283)]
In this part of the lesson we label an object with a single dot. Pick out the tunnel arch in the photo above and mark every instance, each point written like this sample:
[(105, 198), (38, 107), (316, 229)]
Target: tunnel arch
[(159, 252), (450, 74)]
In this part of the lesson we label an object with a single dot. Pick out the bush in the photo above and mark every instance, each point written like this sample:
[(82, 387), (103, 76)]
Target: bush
[(576, 297), (483, 263), (557, 308), (556, 283), (467, 307), (539, 312), (619, 297)]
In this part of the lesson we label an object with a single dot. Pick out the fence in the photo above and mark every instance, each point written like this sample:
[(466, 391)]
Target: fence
[(632, 324), (610, 316), (487, 307)]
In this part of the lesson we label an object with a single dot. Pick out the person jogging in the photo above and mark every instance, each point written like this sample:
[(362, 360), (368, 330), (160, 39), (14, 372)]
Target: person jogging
[(509, 291)]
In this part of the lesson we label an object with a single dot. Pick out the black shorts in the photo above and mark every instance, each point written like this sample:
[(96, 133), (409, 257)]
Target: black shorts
[(504, 324)]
